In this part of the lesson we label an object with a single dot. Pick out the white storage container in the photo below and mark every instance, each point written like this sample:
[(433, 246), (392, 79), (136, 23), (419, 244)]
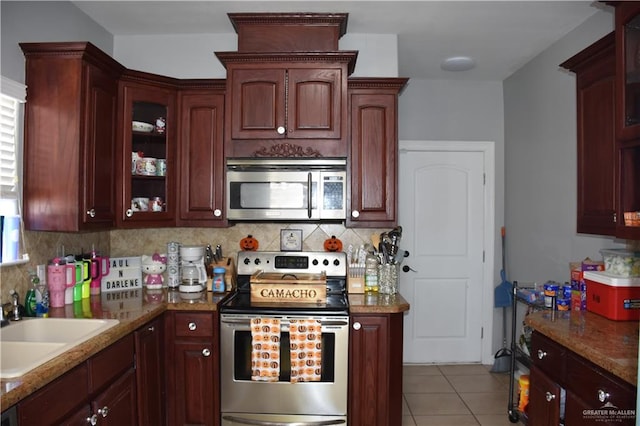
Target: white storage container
[(621, 262)]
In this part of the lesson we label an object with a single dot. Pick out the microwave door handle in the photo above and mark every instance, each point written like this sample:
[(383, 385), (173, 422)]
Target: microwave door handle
[(309, 194)]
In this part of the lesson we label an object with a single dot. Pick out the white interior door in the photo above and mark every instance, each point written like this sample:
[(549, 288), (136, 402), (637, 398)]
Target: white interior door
[(444, 207)]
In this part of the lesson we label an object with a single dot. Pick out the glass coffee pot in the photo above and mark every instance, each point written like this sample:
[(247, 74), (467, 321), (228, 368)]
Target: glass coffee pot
[(190, 279)]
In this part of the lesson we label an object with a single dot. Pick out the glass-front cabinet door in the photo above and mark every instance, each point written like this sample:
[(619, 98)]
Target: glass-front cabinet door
[(628, 118), (628, 45), (148, 174)]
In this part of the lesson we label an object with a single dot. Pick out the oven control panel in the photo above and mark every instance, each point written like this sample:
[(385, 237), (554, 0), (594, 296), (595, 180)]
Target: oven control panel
[(332, 263)]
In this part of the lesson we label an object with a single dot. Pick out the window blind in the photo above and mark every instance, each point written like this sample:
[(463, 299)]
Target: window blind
[(13, 244), (8, 147)]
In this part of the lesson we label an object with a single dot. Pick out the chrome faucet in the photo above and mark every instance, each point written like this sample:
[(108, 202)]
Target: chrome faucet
[(15, 309)]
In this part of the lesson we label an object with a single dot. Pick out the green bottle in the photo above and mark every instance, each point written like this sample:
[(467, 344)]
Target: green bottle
[(30, 299)]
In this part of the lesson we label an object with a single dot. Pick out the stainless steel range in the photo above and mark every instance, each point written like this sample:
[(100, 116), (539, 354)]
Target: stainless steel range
[(303, 386)]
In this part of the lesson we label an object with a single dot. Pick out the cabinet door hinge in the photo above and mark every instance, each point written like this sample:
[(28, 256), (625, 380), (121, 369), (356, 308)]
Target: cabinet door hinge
[(482, 332), (483, 253), (615, 218)]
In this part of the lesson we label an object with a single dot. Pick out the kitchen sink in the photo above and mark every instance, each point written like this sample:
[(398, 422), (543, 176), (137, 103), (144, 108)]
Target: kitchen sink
[(29, 343)]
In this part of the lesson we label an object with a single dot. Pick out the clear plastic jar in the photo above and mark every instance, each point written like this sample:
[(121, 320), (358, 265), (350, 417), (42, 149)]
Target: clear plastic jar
[(371, 274)]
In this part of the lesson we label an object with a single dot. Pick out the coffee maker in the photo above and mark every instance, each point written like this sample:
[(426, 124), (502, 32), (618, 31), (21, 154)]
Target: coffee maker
[(193, 274)]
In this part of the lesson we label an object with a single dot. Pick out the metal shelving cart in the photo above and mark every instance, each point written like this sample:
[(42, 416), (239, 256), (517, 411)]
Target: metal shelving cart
[(518, 355)]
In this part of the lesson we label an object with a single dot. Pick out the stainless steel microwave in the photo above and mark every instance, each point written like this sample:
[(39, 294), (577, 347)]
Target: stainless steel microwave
[(286, 189)]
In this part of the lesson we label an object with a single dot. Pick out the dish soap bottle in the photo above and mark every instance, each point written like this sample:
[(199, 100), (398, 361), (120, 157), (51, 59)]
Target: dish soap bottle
[(30, 303)]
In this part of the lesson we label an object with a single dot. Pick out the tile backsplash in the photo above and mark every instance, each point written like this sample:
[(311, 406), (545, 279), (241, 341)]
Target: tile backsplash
[(43, 246)]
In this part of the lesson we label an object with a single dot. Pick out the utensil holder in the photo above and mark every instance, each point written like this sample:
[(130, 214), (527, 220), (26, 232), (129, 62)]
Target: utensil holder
[(355, 284)]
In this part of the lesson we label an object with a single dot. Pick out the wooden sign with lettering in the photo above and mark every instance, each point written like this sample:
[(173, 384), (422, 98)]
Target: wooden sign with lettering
[(288, 288)]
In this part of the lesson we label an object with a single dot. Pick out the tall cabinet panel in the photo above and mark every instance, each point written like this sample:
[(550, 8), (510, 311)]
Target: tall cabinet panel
[(70, 121), (628, 117), (596, 144), (148, 132), (628, 69), (373, 106), (150, 369), (201, 176), (375, 365)]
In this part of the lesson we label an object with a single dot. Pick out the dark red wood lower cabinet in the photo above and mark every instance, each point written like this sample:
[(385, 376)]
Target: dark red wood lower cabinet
[(375, 365)]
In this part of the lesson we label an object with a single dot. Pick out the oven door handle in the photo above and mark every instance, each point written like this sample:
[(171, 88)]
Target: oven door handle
[(284, 323), (267, 423)]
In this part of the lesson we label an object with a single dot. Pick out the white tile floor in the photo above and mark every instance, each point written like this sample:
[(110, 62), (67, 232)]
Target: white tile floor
[(448, 395)]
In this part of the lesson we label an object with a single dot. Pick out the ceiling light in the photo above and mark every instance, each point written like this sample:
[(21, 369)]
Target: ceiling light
[(458, 63)]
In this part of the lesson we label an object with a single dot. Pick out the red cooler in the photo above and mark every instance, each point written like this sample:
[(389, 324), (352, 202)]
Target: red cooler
[(614, 297)]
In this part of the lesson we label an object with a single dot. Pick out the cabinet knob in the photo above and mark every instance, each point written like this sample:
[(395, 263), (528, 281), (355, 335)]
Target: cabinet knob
[(129, 212), (192, 326), (91, 213), (151, 329), (93, 420), (217, 212), (357, 326), (549, 396), (541, 354), (280, 130), (355, 214), (206, 352), (104, 411), (603, 396)]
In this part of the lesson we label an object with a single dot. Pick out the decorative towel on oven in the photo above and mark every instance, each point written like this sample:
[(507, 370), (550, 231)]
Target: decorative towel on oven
[(265, 353), (306, 350)]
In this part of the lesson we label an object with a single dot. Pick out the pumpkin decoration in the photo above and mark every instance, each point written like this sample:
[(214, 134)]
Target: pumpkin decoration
[(332, 244), (249, 243)]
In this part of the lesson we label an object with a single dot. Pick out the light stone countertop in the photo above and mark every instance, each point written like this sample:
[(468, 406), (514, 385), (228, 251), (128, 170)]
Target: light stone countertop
[(612, 345), (133, 309), (375, 303)]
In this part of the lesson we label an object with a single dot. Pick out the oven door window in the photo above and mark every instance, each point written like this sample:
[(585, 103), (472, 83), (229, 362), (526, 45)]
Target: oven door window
[(272, 195), (242, 357)]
